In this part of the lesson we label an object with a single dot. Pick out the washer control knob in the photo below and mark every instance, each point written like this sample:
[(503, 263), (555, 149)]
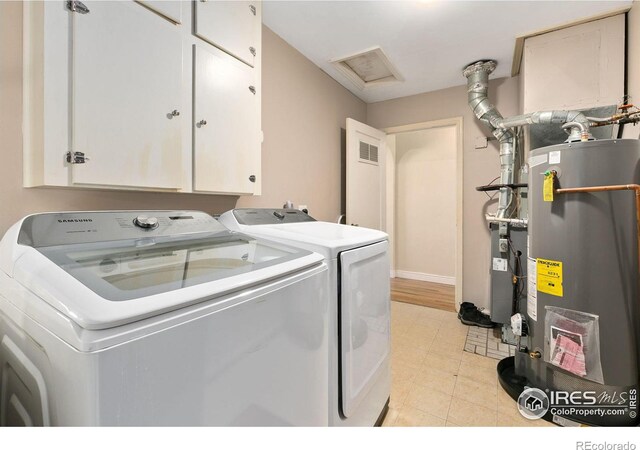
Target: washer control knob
[(145, 222)]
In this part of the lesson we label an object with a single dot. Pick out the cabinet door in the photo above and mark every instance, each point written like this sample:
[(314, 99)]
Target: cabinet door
[(127, 76), (226, 132), (233, 26), (593, 76), (172, 10)]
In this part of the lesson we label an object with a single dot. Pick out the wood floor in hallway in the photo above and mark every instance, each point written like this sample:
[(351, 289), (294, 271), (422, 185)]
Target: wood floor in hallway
[(423, 293)]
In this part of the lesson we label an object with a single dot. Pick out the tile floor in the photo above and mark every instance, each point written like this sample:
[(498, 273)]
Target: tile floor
[(435, 382), (487, 342)]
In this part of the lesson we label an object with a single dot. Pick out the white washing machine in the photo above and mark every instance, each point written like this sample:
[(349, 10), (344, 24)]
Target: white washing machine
[(359, 305), (158, 318)]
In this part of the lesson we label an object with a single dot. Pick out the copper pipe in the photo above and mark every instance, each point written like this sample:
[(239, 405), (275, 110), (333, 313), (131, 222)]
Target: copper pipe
[(619, 187), (623, 117)]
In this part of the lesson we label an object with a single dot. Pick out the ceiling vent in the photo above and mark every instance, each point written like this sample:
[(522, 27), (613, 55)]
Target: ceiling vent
[(369, 68)]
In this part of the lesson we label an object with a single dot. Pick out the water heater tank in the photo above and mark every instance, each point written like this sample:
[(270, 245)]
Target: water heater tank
[(583, 307)]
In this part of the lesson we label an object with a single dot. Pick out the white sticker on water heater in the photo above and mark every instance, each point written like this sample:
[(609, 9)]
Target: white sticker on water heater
[(532, 288), (500, 264), (554, 157), (537, 160)]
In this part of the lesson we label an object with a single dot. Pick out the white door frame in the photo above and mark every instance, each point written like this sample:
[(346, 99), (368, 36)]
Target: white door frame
[(391, 190)]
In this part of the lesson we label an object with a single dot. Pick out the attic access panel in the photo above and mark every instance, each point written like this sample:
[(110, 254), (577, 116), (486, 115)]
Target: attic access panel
[(368, 68)]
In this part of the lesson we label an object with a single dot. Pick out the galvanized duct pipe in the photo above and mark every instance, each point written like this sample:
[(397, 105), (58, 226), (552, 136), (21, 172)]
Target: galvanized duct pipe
[(477, 86), (578, 123), (477, 75)]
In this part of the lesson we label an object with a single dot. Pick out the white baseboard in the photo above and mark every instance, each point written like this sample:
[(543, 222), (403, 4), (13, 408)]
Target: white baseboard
[(426, 277), (393, 273)]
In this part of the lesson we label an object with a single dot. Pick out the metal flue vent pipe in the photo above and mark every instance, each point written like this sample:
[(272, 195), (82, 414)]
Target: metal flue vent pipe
[(477, 75), (575, 123)]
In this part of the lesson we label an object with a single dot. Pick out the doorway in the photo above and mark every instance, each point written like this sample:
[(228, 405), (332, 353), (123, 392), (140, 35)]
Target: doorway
[(424, 212)]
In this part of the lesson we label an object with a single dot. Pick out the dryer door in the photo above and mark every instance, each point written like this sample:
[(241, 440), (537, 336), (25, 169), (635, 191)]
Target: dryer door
[(365, 321)]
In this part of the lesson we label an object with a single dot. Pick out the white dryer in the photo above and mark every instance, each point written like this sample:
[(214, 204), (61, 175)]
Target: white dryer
[(359, 305), (158, 318)]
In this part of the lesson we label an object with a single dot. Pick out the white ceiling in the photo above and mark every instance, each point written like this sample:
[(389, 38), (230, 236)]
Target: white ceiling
[(429, 42)]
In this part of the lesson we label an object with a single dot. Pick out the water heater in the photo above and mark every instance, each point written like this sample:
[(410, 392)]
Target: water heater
[(583, 305)]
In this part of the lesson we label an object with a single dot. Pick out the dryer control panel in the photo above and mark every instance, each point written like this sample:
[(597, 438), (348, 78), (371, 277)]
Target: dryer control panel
[(49, 229), (269, 216)]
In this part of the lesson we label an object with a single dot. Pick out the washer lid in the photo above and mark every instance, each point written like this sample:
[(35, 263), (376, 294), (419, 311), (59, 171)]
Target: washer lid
[(325, 237), (101, 284)]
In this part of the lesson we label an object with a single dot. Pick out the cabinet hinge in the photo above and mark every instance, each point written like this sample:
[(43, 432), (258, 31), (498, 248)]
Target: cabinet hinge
[(76, 157), (79, 7)]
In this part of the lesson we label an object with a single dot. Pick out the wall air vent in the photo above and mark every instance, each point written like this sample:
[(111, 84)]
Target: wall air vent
[(368, 153), (368, 69)]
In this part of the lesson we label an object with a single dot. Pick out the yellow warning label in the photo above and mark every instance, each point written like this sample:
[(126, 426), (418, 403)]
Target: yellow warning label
[(549, 279), (547, 188)]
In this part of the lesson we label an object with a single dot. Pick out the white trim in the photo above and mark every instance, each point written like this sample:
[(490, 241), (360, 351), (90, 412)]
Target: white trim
[(390, 182), (392, 273), (458, 123), (432, 278)]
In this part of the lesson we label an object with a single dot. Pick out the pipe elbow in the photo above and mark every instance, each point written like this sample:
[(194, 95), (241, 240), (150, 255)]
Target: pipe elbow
[(578, 117), (577, 126), (570, 125)]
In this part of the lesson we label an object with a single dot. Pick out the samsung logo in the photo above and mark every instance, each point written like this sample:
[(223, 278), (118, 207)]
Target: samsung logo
[(74, 220)]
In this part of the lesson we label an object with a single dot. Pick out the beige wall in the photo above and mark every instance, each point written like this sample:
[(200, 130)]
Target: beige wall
[(633, 36), (426, 202), (480, 166), (302, 112)]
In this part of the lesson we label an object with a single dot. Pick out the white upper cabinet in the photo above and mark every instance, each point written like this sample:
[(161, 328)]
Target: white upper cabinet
[(127, 109), (172, 10), (117, 94), (577, 67), (226, 133), (233, 26)]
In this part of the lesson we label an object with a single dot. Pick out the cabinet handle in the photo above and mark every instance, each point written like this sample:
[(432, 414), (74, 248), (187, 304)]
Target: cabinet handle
[(252, 51), (252, 9), (252, 89), (202, 123), (252, 178), (77, 7), (174, 113), (76, 157)]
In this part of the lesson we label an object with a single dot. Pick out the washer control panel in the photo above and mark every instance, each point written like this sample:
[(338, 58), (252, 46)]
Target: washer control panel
[(44, 230)]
